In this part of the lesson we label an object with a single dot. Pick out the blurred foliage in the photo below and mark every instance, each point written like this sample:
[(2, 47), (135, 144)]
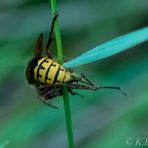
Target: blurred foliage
[(102, 119)]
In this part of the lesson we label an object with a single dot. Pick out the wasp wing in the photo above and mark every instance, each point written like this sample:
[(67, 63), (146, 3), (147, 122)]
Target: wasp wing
[(38, 47)]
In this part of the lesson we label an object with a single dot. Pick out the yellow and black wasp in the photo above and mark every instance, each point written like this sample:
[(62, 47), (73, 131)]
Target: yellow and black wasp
[(49, 77)]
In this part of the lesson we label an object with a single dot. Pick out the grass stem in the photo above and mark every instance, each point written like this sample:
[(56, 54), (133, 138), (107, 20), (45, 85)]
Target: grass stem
[(65, 91)]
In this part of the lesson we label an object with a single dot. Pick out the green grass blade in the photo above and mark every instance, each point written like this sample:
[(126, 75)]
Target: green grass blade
[(65, 91), (110, 48)]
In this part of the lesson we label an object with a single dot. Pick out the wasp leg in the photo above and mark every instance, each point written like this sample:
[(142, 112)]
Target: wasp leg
[(87, 75), (48, 91), (102, 87), (45, 94), (112, 87), (88, 81), (71, 85), (52, 85), (47, 103), (78, 86), (38, 47), (50, 39), (74, 93), (41, 90), (51, 93), (91, 87)]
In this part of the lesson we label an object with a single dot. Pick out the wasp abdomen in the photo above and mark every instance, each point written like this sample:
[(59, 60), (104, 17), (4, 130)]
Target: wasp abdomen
[(50, 72)]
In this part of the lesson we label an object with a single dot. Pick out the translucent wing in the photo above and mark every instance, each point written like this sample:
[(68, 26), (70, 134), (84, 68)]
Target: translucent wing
[(110, 48), (38, 47)]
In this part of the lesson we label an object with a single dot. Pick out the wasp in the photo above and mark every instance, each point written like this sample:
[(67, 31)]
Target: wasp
[(49, 77)]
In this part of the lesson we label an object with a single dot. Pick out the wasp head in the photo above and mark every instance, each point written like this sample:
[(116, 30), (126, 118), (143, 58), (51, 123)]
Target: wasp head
[(30, 70)]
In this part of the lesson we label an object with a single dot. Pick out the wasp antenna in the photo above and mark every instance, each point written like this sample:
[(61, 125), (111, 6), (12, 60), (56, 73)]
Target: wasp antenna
[(112, 87)]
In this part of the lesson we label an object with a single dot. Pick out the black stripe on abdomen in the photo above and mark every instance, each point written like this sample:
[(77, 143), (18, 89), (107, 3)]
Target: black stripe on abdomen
[(56, 75), (46, 76), (40, 67)]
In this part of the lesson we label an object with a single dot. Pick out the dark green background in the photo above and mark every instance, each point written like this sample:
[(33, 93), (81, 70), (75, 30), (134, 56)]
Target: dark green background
[(105, 118)]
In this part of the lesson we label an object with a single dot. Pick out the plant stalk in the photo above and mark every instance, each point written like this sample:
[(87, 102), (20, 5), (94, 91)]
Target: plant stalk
[(65, 91)]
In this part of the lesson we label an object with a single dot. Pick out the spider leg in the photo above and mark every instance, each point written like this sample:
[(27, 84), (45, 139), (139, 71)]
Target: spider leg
[(50, 39), (38, 47)]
